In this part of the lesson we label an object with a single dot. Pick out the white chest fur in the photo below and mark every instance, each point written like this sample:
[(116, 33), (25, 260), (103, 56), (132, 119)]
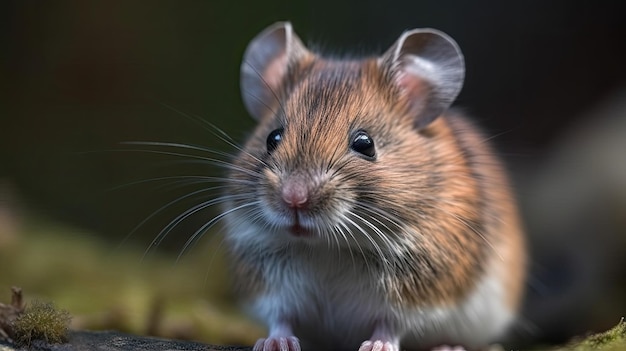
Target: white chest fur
[(335, 298)]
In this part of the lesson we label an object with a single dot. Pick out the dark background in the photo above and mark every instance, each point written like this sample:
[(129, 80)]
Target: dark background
[(79, 77)]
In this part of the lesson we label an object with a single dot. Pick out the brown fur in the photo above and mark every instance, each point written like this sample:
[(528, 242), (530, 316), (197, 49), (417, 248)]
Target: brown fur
[(441, 182), (501, 215)]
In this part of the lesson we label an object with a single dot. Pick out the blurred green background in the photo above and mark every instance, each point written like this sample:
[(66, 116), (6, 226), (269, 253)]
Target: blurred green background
[(77, 78)]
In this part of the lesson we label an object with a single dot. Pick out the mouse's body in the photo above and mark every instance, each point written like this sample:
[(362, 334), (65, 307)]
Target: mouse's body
[(363, 214)]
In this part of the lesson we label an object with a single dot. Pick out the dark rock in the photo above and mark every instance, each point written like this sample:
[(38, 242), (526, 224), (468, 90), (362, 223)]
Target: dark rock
[(115, 341)]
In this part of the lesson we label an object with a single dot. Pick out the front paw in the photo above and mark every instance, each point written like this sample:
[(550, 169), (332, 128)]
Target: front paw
[(289, 343), (378, 345)]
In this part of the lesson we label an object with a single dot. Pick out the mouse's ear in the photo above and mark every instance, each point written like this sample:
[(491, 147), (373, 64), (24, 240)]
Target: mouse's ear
[(428, 67), (265, 65)]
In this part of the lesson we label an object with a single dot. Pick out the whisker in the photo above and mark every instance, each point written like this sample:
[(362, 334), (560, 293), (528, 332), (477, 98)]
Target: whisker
[(213, 255), (365, 259), (465, 223), (209, 224), (375, 245), (198, 120), (393, 219), (171, 144), (497, 135), (193, 147), (385, 258), (163, 208), (216, 131), (225, 166), (213, 129), (229, 141), (251, 216), (437, 200), (208, 160), (384, 237), (186, 214), (200, 179)]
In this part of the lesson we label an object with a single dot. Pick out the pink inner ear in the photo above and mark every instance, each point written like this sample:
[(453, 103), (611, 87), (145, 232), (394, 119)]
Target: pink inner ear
[(414, 90), (275, 71)]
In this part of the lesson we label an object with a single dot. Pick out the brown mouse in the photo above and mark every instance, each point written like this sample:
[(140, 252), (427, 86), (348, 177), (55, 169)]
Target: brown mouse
[(362, 213)]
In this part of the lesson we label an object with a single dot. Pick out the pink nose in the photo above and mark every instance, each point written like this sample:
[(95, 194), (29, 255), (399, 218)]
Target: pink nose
[(295, 193)]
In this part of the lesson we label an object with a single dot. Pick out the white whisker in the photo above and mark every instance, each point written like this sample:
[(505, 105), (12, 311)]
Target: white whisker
[(186, 214), (198, 178), (210, 223)]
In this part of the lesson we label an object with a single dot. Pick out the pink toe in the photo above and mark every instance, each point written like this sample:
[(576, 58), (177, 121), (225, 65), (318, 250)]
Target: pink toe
[(259, 345), (294, 343), (366, 346), (378, 345), (290, 343)]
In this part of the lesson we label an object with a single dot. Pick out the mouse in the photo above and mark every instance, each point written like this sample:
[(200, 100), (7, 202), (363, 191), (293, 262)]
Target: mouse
[(364, 213)]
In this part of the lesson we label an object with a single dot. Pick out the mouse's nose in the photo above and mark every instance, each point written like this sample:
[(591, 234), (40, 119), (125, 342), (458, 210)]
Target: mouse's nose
[(295, 193)]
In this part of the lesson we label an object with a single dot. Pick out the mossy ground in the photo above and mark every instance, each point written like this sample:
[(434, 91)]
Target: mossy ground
[(610, 340), (105, 286)]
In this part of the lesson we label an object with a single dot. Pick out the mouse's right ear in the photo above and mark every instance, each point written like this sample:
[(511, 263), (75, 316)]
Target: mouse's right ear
[(265, 64), (428, 68)]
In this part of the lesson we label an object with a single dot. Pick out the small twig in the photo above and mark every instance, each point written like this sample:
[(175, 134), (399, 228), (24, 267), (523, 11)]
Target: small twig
[(9, 313)]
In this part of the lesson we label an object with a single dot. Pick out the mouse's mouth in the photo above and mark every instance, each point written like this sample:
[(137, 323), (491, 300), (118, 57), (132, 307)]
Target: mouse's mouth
[(296, 223), (293, 223), (298, 230)]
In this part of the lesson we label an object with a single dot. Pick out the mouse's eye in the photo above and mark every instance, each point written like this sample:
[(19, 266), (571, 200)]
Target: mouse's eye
[(363, 144), (274, 138)]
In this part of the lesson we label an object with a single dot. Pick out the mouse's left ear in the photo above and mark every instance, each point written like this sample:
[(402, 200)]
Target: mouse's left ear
[(265, 65), (428, 68)]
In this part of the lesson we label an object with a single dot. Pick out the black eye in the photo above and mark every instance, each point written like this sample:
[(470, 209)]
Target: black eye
[(363, 144), (274, 138)]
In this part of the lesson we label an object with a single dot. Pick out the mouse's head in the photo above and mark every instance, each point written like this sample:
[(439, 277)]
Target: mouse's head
[(345, 151)]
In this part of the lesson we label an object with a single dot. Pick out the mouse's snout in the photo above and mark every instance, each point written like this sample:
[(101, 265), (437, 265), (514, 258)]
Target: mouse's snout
[(298, 202), (295, 193)]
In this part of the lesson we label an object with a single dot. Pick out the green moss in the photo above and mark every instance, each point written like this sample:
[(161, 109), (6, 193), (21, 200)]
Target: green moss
[(613, 339), (616, 334), (42, 321), (155, 295)]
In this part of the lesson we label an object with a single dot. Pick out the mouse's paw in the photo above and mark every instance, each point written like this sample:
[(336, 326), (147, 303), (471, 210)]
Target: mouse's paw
[(449, 348), (288, 343), (378, 345)]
